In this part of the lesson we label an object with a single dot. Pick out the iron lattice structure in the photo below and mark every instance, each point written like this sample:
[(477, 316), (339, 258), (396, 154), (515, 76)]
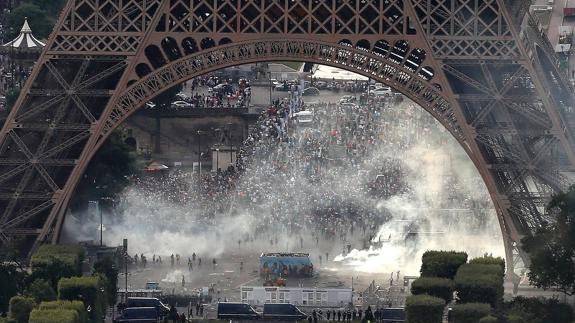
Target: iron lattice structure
[(481, 68)]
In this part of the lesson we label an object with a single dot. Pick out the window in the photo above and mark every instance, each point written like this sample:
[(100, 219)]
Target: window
[(308, 298), (323, 298), (283, 297)]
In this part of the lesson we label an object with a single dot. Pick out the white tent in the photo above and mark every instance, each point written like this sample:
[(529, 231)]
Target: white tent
[(26, 39)]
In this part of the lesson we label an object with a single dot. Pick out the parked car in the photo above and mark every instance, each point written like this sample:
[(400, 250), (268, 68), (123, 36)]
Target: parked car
[(310, 91), (283, 87), (393, 315), (282, 312), (161, 308), (321, 85), (224, 88), (274, 82), (138, 315), (382, 91), (152, 285), (237, 311), (182, 96), (346, 99), (181, 104)]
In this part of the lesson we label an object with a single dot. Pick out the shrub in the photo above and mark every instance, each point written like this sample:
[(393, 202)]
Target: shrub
[(11, 280), (107, 267), (488, 260), (424, 309), (539, 310), (488, 319), (41, 290), (481, 269), (86, 289), (20, 308), (52, 262), (54, 316), (77, 306), (515, 319), (477, 283), (470, 312), (433, 286), (442, 263)]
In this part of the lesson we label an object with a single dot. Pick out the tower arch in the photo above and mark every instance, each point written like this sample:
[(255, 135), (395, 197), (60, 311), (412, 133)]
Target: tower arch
[(480, 74)]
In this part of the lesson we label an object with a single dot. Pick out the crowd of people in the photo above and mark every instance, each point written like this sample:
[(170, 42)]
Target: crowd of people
[(323, 180)]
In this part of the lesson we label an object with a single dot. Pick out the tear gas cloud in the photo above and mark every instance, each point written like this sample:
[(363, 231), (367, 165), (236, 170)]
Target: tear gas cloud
[(445, 204)]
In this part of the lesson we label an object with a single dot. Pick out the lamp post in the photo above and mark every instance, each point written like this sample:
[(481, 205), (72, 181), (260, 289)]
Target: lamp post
[(101, 224), (270, 78), (230, 142), (200, 133), (125, 243)]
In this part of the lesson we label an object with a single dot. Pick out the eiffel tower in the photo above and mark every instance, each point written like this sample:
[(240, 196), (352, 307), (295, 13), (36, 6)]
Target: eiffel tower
[(483, 69)]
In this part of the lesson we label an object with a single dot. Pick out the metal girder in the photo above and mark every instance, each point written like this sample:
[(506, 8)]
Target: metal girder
[(478, 67)]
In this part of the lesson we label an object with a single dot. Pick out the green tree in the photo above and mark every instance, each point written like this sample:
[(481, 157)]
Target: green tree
[(41, 290), (539, 310), (11, 97), (551, 249), (107, 267), (52, 7), (10, 283), (168, 96), (107, 174), (20, 308), (39, 20)]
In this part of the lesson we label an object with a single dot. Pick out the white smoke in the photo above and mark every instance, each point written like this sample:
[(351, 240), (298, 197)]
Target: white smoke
[(446, 208)]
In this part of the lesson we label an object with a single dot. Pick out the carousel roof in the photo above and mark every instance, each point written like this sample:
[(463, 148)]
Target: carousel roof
[(25, 39)]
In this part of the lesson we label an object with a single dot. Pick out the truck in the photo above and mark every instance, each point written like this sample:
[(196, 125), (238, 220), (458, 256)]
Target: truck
[(285, 265)]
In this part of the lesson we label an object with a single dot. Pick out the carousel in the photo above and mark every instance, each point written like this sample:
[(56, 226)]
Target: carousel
[(20, 55)]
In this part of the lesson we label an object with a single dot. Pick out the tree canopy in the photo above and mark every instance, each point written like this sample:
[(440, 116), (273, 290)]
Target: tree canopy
[(42, 15), (107, 174), (551, 249)]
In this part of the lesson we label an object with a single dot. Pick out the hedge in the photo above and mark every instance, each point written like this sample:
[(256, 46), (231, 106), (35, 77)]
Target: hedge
[(52, 262), (424, 309), (477, 283), (54, 316), (515, 319), (488, 260), (469, 313), (442, 263), (546, 310), (20, 308), (481, 269), (77, 306), (87, 290), (433, 286), (41, 290), (488, 319)]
